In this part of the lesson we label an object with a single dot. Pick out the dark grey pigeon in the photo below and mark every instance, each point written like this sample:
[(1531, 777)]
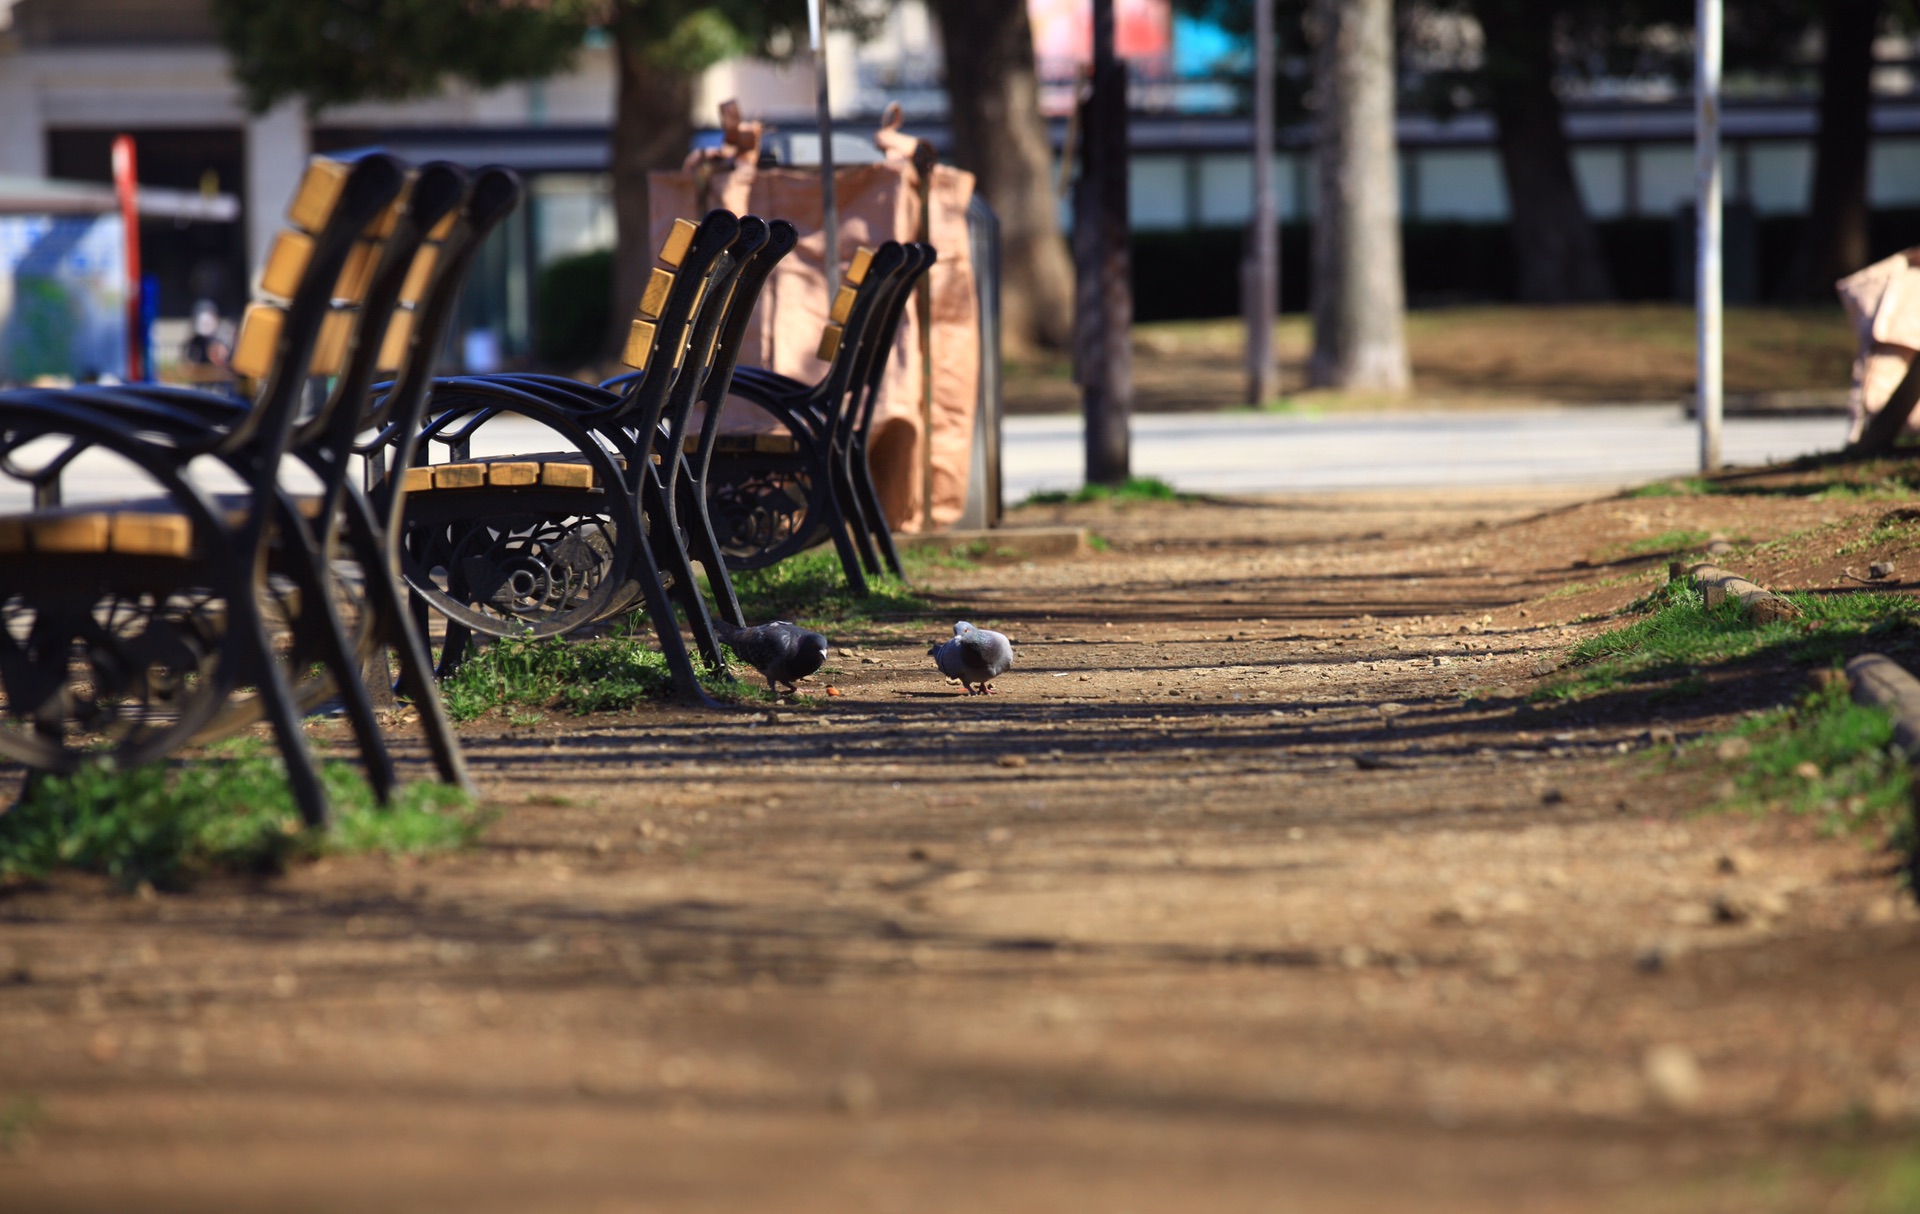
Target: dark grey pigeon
[(974, 655), (785, 653)]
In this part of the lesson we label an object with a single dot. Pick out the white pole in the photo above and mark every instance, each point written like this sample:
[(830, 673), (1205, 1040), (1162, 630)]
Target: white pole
[(1263, 372), (1706, 150), (829, 208)]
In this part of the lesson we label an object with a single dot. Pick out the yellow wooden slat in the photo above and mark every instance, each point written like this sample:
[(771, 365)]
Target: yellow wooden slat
[(318, 194), (654, 299), (254, 349), (857, 269), (639, 345), (286, 263), (829, 343), (381, 226), (13, 535), (330, 350), (842, 305), (459, 476), (396, 342), (138, 533), (511, 473), (419, 274), (776, 444), (351, 286), (444, 228), (68, 532), (416, 480), (673, 250), (566, 476)]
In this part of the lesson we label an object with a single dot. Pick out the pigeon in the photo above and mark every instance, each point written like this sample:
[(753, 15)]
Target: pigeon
[(785, 653), (974, 655)]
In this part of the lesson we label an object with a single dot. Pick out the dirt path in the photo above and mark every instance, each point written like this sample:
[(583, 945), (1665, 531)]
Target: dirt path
[(1256, 888)]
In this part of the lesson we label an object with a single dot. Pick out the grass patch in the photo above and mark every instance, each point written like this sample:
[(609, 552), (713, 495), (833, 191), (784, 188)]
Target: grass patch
[(169, 824), (19, 1118), (1665, 542), (612, 674), (1678, 633), (1896, 527), (1685, 486), (1574, 588), (1824, 757), (1133, 489), (811, 589)]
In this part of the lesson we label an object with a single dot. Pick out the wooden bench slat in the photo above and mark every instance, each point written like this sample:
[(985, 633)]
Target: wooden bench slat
[(140, 534), (673, 250), (394, 343), (319, 193), (858, 267), (639, 345), (842, 304), (653, 300), (13, 535), (416, 480), (357, 274), (254, 348), (330, 349), (511, 473), (419, 274), (567, 476), (459, 476), (69, 532), (286, 263), (830, 342)]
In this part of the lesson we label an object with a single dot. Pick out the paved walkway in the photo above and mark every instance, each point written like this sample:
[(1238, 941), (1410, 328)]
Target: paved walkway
[(1602, 446), (1598, 445)]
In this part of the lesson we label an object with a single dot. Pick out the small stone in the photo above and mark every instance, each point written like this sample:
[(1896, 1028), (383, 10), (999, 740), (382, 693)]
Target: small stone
[(1552, 796), (856, 1094), (1880, 569), (1732, 750), (1661, 735), (1673, 1077), (1545, 666), (1807, 770), (1013, 760)]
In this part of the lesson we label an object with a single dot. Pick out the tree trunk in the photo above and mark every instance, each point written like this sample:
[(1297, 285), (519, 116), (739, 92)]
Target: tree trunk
[(1557, 256), (652, 129), (1359, 298), (999, 136), (1834, 242)]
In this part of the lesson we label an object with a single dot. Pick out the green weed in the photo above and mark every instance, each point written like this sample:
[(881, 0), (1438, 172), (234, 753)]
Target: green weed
[(611, 674), (1133, 489), (811, 589), (168, 825), (1686, 486), (1897, 527), (1678, 633), (19, 1118), (1828, 757)]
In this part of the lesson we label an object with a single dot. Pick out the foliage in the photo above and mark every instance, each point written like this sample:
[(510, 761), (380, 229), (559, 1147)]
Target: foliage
[(809, 588), (611, 674), (571, 321), (1828, 757), (1678, 634), (167, 825), (1133, 489), (330, 52)]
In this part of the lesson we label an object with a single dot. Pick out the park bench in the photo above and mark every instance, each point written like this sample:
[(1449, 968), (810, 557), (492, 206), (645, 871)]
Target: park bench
[(543, 543), (773, 495), (246, 612)]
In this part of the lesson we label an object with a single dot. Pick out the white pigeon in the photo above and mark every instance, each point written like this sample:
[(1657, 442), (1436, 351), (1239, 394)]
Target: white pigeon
[(974, 655)]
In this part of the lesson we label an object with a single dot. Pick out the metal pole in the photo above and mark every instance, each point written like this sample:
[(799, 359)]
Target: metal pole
[(126, 187), (1263, 372), (829, 207), (1706, 150)]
